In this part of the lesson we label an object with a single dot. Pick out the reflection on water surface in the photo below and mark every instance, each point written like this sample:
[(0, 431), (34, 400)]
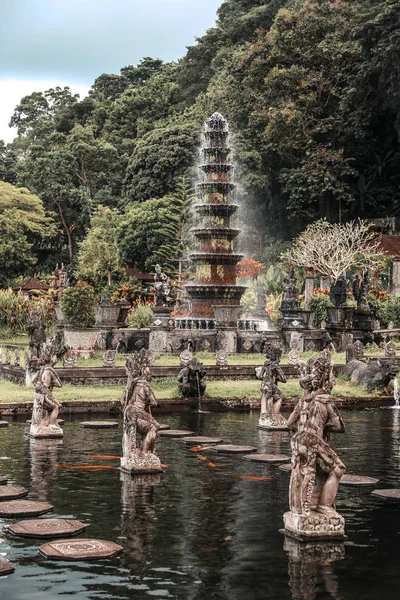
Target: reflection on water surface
[(204, 529)]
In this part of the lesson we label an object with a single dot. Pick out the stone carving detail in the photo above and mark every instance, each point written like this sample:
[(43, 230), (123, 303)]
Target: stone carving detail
[(371, 376), (109, 358), (310, 346), (185, 357), (36, 331), (226, 340), (136, 403), (17, 357), (205, 345), (191, 379), (337, 294), (390, 350), (26, 360), (162, 286), (271, 396), (291, 294), (317, 469), (70, 359), (247, 345), (295, 360), (358, 348), (158, 341), (45, 406), (221, 358), (8, 356)]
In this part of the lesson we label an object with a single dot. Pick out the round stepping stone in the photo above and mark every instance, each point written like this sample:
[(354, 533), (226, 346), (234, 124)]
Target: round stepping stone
[(232, 449), (175, 433), (287, 467), (12, 492), (268, 458), (23, 508), (83, 549), (98, 424), (389, 494), (358, 480), (201, 439), (59, 421), (163, 427), (47, 528), (4, 423), (3, 480), (5, 566)]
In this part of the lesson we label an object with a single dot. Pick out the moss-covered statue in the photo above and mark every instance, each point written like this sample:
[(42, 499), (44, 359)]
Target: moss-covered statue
[(191, 379), (317, 469), (272, 398), (139, 456)]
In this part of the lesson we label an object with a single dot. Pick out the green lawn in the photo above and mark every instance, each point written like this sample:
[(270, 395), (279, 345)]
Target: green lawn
[(166, 389)]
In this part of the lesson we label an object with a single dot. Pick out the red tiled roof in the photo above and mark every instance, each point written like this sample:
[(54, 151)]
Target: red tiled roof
[(133, 272), (31, 284), (389, 244)]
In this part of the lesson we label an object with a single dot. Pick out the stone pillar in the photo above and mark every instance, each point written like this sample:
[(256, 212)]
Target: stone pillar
[(396, 276), (309, 289), (324, 283)]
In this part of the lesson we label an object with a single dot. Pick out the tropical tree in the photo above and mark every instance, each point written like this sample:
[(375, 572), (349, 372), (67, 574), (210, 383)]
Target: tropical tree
[(332, 249), (24, 227), (98, 259)]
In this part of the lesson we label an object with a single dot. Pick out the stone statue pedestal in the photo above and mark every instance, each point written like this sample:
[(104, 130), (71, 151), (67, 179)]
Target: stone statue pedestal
[(141, 462), (277, 422), (315, 525), (162, 323), (45, 431)]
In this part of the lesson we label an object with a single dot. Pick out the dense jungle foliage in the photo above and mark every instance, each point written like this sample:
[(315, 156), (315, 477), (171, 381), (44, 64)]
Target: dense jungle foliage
[(311, 89)]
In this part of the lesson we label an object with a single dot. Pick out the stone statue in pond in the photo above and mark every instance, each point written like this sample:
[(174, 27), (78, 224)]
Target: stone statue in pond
[(317, 469), (271, 396), (139, 454), (36, 331), (162, 286), (191, 379), (45, 406)]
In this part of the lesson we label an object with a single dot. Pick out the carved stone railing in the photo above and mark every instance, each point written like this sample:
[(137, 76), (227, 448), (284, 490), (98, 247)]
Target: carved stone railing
[(188, 323), (253, 325), (11, 354)]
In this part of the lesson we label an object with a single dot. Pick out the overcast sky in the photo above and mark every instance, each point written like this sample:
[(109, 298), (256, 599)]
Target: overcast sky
[(44, 43)]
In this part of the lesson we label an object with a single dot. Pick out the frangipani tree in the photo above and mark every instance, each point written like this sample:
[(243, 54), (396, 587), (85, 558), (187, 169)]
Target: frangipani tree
[(333, 248)]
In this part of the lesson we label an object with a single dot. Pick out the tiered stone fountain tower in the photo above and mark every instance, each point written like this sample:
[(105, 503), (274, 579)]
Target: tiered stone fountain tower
[(214, 292)]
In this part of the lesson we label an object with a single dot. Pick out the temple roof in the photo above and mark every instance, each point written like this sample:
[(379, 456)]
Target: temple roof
[(389, 244), (31, 284)]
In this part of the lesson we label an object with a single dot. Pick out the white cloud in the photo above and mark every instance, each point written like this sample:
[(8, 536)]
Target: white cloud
[(12, 90)]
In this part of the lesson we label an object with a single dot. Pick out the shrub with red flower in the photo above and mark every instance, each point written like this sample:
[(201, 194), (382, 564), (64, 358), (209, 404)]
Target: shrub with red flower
[(248, 267)]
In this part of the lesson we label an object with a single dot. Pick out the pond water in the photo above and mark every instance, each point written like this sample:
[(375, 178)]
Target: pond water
[(199, 531)]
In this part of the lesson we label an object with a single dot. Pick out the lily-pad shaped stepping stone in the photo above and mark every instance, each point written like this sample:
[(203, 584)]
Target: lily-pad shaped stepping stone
[(287, 467), (5, 566), (3, 480), (388, 494), (47, 528), (98, 424), (175, 433), (83, 549), (201, 439), (59, 421), (4, 423), (358, 480), (9, 492), (268, 458), (163, 427), (232, 449), (23, 508)]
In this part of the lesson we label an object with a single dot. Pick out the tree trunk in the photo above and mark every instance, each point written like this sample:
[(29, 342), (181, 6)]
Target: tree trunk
[(67, 229)]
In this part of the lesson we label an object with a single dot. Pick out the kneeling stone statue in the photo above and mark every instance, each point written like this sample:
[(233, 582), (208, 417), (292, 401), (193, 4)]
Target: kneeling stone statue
[(137, 400), (317, 469)]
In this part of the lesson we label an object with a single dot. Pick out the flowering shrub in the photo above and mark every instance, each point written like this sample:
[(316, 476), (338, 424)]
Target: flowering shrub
[(140, 315), (274, 302), (318, 305), (14, 309), (248, 267), (77, 303)]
